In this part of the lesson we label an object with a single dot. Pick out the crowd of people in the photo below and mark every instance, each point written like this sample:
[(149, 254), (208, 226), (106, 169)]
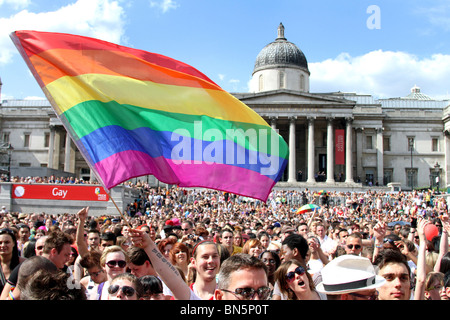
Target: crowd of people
[(199, 244)]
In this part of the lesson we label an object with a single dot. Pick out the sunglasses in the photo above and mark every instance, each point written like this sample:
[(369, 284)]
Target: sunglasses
[(127, 290), (291, 275), (6, 230), (249, 293), (114, 263), (356, 246)]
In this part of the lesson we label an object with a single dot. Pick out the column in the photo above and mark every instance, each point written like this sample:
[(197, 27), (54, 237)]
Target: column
[(380, 156), (348, 151), (447, 157), (359, 148), (330, 150), (273, 122), (311, 150), (292, 151), (68, 150), (51, 147), (57, 148)]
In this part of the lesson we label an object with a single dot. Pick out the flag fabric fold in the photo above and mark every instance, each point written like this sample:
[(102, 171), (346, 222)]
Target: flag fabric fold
[(133, 113)]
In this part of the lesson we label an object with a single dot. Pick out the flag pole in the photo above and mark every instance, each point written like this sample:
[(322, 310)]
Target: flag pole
[(121, 214)]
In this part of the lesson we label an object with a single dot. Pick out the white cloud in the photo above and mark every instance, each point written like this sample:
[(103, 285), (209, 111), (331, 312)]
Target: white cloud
[(102, 19), (16, 4), (438, 14), (233, 85), (384, 74), (164, 5)]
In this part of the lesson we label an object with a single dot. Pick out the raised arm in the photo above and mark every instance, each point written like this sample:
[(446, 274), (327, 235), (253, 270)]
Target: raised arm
[(443, 245), (168, 273), (419, 291), (379, 232), (82, 246)]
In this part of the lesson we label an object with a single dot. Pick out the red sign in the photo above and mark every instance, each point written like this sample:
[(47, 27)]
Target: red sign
[(340, 146), (59, 192)]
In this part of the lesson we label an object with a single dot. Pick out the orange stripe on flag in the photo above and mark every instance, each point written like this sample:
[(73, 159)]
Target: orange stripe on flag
[(76, 62)]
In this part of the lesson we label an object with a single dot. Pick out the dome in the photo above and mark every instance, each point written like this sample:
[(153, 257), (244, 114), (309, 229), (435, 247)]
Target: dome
[(417, 95), (280, 53)]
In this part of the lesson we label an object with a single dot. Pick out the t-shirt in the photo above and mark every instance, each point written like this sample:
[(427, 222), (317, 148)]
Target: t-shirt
[(194, 295), (236, 249), (327, 244), (315, 265)]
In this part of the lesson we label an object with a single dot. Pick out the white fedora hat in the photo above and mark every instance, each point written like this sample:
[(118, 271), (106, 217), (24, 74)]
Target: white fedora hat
[(349, 273)]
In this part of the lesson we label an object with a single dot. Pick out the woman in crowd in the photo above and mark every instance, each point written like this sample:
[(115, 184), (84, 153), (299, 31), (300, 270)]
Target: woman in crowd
[(272, 262), (165, 245), (9, 255), (114, 261), (73, 257), (179, 256), (433, 285), (238, 241), (95, 274), (264, 238), (253, 247), (295, 282)]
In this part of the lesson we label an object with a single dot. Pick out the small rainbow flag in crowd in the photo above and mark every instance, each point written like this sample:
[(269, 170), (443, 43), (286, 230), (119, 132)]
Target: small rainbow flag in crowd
[(133, 113)]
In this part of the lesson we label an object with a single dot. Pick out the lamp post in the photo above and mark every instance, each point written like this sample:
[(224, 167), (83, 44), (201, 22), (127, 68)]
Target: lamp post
[(411, 175), (9, 149), (437, 170)]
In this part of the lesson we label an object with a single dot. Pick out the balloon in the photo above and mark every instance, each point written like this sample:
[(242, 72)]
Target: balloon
[(431, 231)]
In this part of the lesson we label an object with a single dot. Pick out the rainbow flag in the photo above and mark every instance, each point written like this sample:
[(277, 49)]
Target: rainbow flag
[(133, 113)]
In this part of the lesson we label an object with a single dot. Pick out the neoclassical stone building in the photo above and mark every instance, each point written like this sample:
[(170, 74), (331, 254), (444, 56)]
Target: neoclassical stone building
[(336, 139)]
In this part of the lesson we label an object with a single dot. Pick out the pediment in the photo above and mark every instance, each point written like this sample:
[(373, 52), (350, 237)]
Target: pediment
[(292, 97)]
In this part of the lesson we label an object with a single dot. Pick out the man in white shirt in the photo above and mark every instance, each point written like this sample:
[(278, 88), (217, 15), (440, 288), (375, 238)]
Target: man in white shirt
[(327, 244)]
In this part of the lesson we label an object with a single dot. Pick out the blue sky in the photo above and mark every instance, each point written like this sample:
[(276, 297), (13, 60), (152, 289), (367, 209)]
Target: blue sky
[(349, 47)]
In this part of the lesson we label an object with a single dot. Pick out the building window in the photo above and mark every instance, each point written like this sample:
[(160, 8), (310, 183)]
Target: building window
[(387, 176), (434, 144), (386, 143), (47, 140), (411, 178), (24, 164), (5, 137), (302, 83), (370, 177), (26, 140), (85, 174), (282, 80), (369, 144)]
